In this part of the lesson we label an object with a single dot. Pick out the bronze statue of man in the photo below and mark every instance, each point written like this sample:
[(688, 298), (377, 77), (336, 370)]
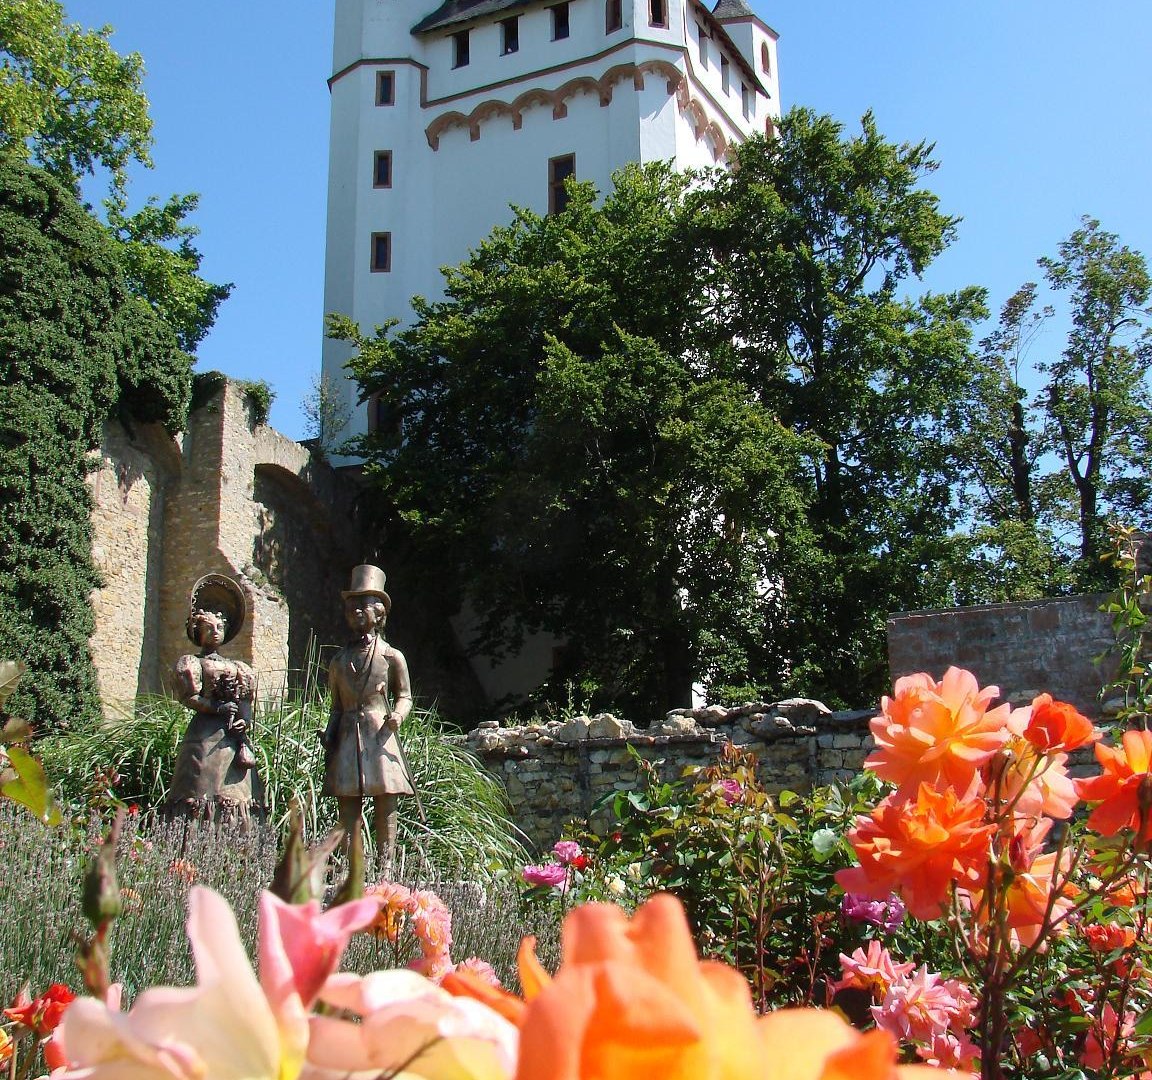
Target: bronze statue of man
[(371, 696)]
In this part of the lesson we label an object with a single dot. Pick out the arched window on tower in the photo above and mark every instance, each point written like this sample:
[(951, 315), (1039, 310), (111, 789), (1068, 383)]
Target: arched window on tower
[(765, 59)]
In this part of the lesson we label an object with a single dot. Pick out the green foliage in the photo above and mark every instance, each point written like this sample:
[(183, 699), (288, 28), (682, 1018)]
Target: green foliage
[(76, 348), (67, 99), (326, 415), (258, 394), (1129, 657), (813, 236), (658, 425), (129, 759), (22, 776), (162, 266), (1049, 470), (755, 873)]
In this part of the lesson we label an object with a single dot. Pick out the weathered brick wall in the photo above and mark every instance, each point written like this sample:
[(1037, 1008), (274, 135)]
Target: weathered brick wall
[(557, 771), (1024, 648)]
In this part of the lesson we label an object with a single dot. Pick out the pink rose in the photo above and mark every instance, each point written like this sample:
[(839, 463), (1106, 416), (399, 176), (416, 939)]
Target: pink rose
[(567, 852), (552, 874)]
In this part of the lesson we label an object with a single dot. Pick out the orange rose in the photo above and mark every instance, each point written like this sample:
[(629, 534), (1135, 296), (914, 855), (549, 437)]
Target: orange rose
[(920, 848), (937, 732), (1055, 725), (1123, 790), (632, 1000)]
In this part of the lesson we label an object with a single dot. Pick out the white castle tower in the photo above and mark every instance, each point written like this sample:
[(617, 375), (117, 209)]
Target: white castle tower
[(443, 116)]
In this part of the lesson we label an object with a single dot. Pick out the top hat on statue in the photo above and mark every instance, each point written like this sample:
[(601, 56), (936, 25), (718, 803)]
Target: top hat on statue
[(223, 596), (367, 580)]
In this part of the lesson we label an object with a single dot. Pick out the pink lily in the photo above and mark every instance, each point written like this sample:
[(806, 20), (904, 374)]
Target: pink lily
[(228, 1026)]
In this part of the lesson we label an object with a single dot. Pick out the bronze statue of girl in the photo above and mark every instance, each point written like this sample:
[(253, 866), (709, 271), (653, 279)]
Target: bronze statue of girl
[(215, 775)]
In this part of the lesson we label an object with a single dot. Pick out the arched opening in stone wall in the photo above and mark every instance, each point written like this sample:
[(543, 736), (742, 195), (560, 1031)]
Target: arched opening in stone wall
[(296, 552)]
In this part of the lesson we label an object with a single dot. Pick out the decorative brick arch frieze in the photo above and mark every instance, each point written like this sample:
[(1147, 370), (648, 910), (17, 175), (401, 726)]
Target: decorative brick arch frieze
[(528, 100), (441, 124), (603, 88)]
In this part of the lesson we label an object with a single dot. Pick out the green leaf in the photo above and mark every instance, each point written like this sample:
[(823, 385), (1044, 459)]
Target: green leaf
[(29, 787), (14, 731), (10, 672), (1144, 1024)]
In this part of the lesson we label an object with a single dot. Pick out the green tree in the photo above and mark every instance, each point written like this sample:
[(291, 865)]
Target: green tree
[(814, 236), (1097, 409), (68, 101), (76, 347), (1010, 550), (1055, 448), (697, 430), (71, 103), (571, 457)]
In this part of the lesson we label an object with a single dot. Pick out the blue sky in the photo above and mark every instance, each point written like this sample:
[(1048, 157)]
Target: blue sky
[(1040, 110)]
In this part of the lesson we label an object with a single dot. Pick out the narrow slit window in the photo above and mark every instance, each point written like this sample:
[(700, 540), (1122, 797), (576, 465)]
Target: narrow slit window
[(725, 75), (382, 169), (559, 169), (613, 16), (560, 26), (509, 35), (460, 55), (381, 252), (702, 45), (747, 101), (657, 13), (385, 88)]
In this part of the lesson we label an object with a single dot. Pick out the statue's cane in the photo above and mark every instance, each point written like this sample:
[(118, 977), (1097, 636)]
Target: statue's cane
[(411, 778)]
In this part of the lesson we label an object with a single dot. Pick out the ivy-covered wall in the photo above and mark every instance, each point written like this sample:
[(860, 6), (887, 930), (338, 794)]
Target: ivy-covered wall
[(76, 347)]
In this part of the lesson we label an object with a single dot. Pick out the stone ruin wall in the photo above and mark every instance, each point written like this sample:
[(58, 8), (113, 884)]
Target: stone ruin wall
[(559, 771), (228, 496), (562, 770), (234, 497)]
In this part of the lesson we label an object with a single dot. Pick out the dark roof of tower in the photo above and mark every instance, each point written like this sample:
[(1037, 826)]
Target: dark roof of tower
[(733, 9), (457, 11)]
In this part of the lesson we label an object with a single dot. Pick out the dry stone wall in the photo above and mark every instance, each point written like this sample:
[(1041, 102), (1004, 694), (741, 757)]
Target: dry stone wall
[(558, 771)]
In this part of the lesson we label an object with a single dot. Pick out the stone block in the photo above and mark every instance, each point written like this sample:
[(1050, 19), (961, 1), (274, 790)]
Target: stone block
[(574, 730)]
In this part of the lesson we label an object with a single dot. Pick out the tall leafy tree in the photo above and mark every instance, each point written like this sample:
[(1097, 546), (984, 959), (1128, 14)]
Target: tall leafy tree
[(1009, 547), (1056, 446), (71, 104), (698, 429), (1097, 408), (814, 237), (577, 459)]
